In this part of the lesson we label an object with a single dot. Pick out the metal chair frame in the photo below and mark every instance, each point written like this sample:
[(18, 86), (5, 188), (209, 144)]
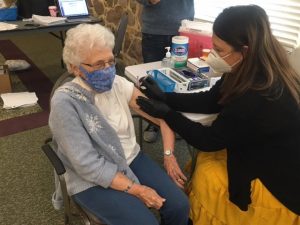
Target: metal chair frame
[(88, 217)]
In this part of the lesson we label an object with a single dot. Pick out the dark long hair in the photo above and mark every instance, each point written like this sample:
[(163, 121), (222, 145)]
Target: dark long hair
[(265, 66)]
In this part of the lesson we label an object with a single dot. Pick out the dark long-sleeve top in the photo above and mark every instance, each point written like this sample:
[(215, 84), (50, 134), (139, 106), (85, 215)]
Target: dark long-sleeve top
[(262, 138), (164, 18)]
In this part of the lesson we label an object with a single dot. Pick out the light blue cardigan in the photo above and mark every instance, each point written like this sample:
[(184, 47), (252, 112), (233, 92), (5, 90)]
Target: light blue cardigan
[(88, 146)]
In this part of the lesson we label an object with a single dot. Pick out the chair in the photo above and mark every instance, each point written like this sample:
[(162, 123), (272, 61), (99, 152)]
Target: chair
[(120, 34), (87, 216), (65, 77), (119, 39), (60, 170), (140, 127)]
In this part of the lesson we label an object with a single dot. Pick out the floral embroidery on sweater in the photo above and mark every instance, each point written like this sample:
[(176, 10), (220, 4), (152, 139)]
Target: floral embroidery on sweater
[(75, 92), (93, 123)]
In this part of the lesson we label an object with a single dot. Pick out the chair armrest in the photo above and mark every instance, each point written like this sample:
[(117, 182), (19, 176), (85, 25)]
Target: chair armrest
[(55, 161)]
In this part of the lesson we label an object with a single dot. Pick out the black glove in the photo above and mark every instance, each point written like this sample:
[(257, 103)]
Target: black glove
[(151, 89), (153, 107)]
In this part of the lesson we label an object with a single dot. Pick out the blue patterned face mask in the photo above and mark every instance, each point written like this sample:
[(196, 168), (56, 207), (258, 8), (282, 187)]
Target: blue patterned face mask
[(100, 80)]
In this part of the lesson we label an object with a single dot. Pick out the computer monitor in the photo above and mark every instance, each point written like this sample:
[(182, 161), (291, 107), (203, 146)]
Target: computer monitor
[(73, 8)]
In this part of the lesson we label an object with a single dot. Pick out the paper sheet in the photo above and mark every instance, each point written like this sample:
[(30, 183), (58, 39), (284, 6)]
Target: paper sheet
[(7, 26), (48, 20), (21, 99)]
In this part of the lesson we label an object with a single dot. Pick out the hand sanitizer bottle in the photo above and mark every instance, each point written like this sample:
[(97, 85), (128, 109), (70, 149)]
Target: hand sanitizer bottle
[(167, 61)]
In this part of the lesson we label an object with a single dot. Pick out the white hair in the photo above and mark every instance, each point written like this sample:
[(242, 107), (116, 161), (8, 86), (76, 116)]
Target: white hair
[(81, 39)]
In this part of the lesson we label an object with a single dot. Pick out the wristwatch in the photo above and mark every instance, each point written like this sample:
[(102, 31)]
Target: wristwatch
[(168, 152)]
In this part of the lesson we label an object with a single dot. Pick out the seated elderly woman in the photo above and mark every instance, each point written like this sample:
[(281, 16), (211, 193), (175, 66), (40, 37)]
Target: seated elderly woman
[(91, 123)]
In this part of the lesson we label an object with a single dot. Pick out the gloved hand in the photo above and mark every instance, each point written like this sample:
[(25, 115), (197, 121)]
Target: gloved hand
[(153, 107), (151, 89)]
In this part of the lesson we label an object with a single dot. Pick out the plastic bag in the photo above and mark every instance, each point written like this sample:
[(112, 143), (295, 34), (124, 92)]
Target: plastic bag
[(17, 64)]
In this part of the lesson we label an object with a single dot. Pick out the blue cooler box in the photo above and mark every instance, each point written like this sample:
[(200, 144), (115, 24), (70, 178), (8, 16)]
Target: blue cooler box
[(8, 14), (164, 82)]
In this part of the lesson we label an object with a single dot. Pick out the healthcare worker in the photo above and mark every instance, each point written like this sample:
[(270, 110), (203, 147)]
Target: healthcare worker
[(248, 168)]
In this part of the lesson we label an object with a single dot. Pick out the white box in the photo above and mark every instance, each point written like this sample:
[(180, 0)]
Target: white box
[(198, 65)]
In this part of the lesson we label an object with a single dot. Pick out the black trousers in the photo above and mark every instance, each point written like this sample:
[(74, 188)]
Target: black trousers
[(153, 46)]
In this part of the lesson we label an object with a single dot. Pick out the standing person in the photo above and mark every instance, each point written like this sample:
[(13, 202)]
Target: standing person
[(93, 132), (161, 20), (256, 180)]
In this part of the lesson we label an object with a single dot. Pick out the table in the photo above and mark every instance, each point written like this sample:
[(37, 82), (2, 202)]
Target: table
[(28, 27), (23, 27), (135, 72)]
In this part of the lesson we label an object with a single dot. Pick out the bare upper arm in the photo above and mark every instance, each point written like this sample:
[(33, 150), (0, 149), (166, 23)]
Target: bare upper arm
[(132, 104)]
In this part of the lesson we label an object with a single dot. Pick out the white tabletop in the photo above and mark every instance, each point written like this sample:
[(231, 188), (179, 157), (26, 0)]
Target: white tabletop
[(135, 72)]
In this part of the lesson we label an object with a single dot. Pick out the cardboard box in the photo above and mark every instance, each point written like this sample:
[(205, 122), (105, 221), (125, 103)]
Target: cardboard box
[(5, 83)]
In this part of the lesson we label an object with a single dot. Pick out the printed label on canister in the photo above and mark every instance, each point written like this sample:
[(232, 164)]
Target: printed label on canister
[(179, 51)]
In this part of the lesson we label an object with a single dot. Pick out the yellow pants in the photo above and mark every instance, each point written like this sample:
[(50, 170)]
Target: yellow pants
[(210, 203)]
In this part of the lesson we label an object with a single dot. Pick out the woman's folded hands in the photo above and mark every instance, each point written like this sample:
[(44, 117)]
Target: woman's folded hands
[(147, 195)]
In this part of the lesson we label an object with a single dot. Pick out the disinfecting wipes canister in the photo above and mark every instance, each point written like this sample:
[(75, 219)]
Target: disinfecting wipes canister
[(179, 53)]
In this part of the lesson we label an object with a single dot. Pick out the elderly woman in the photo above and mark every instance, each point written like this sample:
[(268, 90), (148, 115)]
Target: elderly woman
[(92, 125)]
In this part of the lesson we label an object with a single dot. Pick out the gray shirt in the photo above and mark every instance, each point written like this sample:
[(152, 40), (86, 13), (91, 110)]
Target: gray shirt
[(164, 18)]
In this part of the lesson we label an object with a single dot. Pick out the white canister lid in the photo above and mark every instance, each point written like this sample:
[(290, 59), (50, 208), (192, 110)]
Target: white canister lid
[(180, 40)]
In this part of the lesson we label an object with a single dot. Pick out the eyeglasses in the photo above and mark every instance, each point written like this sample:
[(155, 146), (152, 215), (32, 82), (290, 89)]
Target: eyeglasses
[(100, 65)]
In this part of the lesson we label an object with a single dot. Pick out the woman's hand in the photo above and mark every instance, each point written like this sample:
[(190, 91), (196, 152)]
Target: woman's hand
[(144, 193), (174, 171), (153, 107), (147, 195), (151, 89)]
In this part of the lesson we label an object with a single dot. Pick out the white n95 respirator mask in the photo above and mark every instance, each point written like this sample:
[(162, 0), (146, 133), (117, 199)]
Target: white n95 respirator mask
[(218, 64)]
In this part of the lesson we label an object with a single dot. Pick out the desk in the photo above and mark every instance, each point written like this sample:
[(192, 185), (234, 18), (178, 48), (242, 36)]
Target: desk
[(22, 29), (60, 28), (134, 73)]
